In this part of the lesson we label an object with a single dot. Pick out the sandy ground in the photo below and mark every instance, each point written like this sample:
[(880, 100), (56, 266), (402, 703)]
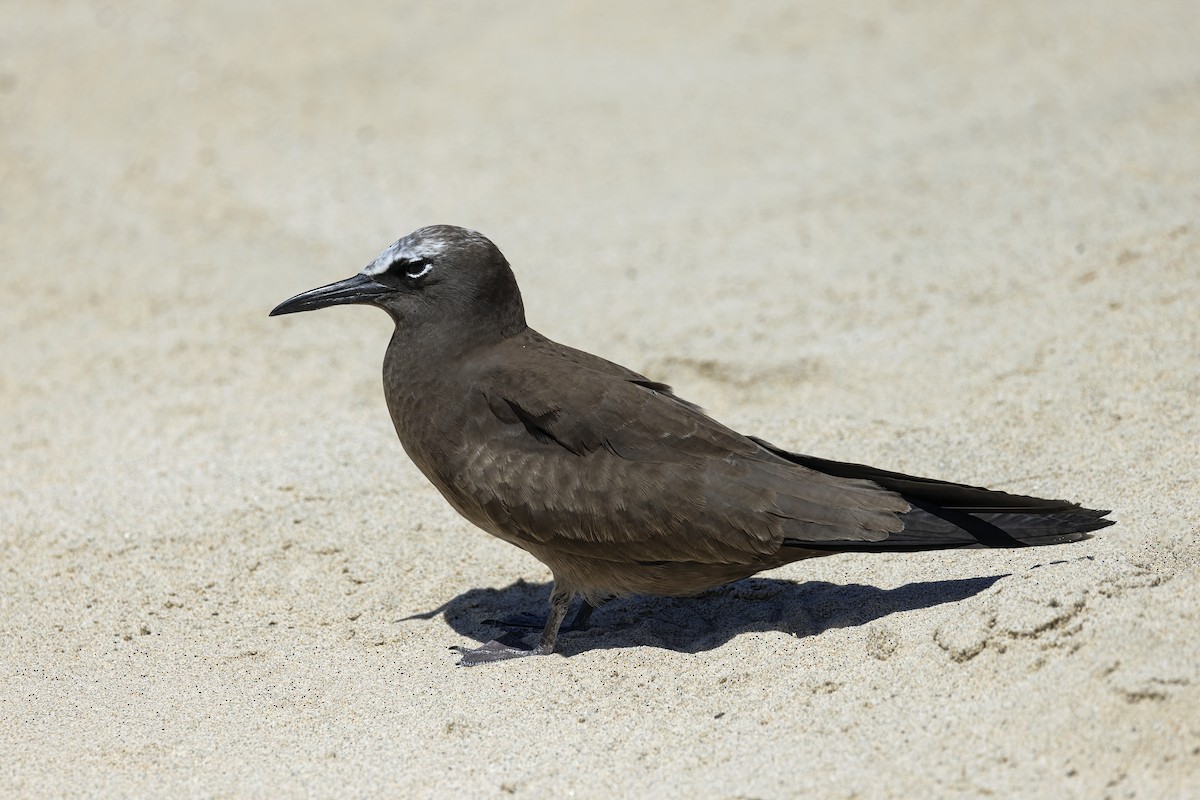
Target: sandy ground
[(955, 240)]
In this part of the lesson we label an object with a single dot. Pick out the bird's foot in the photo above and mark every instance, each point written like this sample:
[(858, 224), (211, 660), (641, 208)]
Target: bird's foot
[(494, 651)]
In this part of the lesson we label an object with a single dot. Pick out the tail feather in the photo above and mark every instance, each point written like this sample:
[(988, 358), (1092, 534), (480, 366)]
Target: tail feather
[(948, 515)]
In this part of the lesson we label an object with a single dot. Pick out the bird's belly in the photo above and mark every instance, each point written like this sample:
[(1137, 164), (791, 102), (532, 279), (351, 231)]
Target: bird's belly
[(598, 579)]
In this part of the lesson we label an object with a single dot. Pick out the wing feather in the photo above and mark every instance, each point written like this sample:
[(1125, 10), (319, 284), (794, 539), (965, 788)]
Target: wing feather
[(605, 464)]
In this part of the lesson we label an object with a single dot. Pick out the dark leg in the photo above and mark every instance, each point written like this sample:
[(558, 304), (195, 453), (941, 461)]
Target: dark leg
[(580, 621), (560, 600)]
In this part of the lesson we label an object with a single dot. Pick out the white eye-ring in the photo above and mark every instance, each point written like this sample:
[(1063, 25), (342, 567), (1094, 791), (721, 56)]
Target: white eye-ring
[(418, 270)]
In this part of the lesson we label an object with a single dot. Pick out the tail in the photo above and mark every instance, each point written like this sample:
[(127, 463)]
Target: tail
[(952, 515)]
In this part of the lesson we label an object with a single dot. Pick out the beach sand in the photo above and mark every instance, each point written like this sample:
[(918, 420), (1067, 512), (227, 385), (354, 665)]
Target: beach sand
[(957, 241)]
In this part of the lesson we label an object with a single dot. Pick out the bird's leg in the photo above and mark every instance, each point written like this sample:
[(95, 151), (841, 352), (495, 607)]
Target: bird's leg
[(580, 620), (560, 601)]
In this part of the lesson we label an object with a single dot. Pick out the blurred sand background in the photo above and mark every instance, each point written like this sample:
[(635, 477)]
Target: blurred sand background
[(960, 240)]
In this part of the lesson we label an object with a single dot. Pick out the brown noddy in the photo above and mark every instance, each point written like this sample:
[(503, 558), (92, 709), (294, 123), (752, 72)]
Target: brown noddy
[(608, 478)]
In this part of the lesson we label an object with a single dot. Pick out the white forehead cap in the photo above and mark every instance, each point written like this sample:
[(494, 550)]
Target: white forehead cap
[(414, 247)]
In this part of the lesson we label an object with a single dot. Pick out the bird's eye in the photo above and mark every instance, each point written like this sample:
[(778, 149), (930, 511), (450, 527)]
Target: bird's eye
[(417, 270)]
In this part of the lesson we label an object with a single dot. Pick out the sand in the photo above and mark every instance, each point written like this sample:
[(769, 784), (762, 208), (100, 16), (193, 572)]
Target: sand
[(959, 241)]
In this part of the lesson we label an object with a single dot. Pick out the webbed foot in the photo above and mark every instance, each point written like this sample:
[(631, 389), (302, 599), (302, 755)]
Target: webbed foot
[(494, 651)]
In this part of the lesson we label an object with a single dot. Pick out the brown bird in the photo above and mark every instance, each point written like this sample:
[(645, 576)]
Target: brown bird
[(608, 478)]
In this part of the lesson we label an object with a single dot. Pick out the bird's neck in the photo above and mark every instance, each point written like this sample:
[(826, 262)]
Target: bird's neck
[(435, 366)]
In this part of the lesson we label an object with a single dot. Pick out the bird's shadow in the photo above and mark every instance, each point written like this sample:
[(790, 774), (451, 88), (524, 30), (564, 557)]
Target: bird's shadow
[(703, 622)]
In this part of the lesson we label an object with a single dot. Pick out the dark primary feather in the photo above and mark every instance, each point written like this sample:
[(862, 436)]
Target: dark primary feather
[(947, 515)]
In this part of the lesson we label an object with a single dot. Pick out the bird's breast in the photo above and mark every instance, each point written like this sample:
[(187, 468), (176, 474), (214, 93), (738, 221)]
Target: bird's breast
[(439, 423)]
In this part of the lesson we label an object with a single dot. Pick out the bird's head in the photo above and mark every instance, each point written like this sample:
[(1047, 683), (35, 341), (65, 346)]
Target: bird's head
[(437, 277)]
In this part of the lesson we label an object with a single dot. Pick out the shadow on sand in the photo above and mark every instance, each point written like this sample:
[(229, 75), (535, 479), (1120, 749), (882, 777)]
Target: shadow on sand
[(703, 622)]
